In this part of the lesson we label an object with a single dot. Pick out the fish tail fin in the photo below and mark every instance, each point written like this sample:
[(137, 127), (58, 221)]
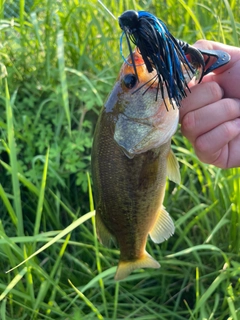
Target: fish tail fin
[(126, 267)]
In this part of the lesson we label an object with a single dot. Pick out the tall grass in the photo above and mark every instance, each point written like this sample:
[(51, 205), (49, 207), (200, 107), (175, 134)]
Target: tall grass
[(62, 59)]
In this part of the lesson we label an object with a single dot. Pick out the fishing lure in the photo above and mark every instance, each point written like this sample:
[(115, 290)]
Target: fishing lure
[(169, 56)]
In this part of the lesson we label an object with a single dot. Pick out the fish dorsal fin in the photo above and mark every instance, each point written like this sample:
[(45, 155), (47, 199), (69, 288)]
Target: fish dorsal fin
[(104, 235), (126, 267), (173, 172), (163, 227)]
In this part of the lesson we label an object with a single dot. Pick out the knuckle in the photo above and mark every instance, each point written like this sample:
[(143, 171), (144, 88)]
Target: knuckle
[(227, 130), (201, 146), (188, 122), (215, 90), (201, 43), (231, 108)]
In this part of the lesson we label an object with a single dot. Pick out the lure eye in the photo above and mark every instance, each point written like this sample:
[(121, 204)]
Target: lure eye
[(129, 20), (129, 80)]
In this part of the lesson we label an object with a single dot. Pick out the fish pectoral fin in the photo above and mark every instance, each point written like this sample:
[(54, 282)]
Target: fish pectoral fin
[(104, 235), (173, 172), (126, 267), (163, 227)]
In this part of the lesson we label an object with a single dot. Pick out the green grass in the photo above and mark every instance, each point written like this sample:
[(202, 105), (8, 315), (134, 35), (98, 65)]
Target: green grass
[(62, 59)]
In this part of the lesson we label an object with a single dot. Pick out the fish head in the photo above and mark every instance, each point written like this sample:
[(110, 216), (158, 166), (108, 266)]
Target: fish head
[(143, 119)]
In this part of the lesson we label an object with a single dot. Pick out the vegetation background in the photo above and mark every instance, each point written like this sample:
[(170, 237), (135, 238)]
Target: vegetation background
[(59, 60)]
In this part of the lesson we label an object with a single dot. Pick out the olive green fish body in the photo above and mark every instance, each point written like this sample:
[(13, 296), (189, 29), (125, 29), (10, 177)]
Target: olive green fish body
[(130, 156), (129, 191)]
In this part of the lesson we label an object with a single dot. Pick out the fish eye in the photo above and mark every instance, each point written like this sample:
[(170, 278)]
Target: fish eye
[(129, 80)]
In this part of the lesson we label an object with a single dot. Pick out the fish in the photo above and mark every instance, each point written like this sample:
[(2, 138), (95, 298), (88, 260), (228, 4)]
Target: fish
[(131, 159)]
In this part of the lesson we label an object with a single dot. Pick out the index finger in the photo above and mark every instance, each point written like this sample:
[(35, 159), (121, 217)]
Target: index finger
[(201, 95)]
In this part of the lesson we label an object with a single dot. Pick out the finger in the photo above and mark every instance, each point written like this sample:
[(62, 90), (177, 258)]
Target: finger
[(209, 146), (228, 81), (234, 155), (202, 120), (200, 95)]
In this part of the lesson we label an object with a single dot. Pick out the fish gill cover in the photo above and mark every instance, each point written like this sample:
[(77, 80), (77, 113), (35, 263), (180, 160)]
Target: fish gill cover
[(170, 57)]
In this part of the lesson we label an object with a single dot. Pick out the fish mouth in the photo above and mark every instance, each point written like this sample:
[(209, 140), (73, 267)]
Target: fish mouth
[(134, 64)]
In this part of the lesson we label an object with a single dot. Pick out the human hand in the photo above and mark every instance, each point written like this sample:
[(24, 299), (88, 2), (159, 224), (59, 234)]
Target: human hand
[(210, 115)]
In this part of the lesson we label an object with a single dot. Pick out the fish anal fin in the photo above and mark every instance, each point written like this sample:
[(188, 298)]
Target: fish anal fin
[(104, 235), (173, 172), (163, 227), (126, 267)]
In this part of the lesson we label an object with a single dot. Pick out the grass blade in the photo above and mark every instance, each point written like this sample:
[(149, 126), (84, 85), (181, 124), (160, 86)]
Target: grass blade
[(234, 28), (194, 17), (13, 162), (41, 196), (87, 302), (13, 283), (61, 234), (116, 301), (8, 206), (3, 309), (215, 284), (98, 261), (63, 78)]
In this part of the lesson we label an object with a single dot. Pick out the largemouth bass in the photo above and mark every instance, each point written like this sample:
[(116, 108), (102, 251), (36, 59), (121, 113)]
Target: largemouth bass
[(131, 159)]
